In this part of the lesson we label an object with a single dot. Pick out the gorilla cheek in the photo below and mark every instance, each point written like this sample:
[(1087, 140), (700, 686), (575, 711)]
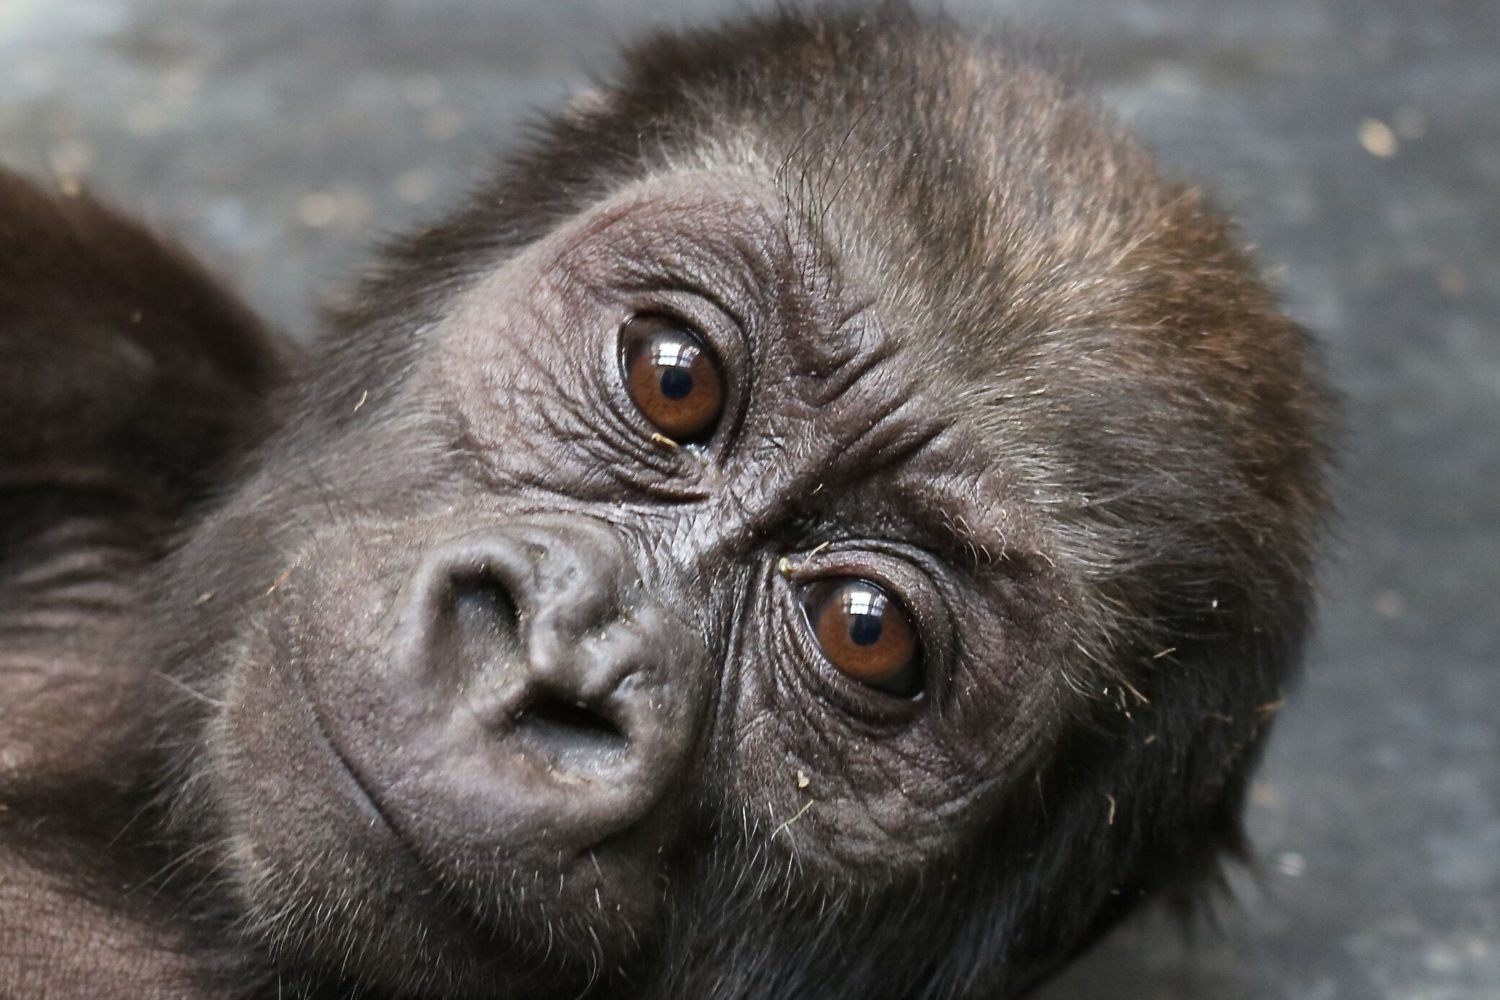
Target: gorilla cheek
[(289, 805), (495, 711)]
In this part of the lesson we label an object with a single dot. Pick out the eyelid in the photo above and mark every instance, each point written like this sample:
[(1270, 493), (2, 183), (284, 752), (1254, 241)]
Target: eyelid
[(912, 574), (722, 329), (892, 571)]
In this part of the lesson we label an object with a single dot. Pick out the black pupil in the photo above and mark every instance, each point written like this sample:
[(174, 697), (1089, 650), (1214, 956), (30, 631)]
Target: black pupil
[(865, 608), (865, 630), (677, 382)]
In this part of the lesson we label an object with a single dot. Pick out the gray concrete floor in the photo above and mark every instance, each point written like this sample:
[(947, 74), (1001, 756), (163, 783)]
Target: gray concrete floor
[(1359, 140)]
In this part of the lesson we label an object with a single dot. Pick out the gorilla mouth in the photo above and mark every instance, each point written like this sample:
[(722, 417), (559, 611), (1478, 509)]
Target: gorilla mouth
[(561, 729)]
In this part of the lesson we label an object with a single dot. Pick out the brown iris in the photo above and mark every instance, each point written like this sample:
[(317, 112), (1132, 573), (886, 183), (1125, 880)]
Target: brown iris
[(672, 377), (866, 634)]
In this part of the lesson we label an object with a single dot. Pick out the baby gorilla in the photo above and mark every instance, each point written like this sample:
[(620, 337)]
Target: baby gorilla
[(828, 521)]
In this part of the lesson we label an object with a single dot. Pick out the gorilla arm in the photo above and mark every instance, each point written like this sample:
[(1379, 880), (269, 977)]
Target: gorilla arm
[(128, 382)]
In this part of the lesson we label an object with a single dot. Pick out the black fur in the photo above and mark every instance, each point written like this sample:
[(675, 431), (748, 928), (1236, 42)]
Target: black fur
[(978, 350)]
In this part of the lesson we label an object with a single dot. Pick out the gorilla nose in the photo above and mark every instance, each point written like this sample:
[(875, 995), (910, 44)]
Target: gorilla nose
[(546, 634), (559, 679)]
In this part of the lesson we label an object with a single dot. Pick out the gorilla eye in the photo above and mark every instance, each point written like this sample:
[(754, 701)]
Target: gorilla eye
[(672, 377), (866, 634)]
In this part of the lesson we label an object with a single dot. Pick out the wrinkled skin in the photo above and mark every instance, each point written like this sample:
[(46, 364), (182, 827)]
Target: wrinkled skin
[(432, 667)]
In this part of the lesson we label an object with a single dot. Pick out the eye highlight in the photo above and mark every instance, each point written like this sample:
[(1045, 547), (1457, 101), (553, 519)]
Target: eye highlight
[(866, 634), (672, 377)]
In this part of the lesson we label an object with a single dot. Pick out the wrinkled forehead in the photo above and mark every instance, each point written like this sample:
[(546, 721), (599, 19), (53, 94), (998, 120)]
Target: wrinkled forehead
[(967, 195), (850, 280), (849, 391)]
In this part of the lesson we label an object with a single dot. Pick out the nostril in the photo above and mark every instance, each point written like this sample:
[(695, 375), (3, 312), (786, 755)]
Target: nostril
[(485, 614), (570, 734)]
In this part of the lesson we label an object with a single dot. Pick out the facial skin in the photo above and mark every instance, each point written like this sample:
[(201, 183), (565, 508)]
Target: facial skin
[(829, 521)]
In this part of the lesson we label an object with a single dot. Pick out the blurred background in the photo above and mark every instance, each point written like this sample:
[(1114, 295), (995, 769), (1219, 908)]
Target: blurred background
[(1357, 140)]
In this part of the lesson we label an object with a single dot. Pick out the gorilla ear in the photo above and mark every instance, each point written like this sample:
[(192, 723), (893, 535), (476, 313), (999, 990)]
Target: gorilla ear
[(121, 359)]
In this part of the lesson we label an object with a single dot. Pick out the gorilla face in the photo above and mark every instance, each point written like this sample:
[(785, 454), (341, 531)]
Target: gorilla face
[(832, 532), (650, 538)]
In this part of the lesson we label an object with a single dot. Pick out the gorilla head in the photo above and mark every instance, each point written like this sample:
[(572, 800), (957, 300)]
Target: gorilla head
[(828, 520)]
